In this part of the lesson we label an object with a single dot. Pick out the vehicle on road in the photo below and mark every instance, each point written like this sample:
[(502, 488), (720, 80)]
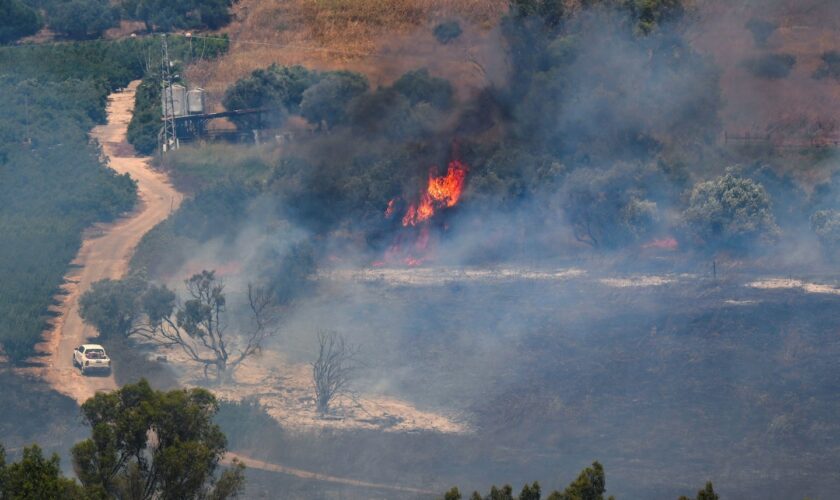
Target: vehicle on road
[(90, 358)]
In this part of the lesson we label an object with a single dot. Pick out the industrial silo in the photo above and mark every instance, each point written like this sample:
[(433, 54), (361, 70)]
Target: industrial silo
[(195, 101), (176, 96)]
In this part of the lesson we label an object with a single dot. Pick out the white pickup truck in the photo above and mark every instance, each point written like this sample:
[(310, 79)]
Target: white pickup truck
[(91, 357)]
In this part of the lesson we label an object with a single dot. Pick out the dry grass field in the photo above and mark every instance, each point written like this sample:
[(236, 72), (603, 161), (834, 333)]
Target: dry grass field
[(379, 38)]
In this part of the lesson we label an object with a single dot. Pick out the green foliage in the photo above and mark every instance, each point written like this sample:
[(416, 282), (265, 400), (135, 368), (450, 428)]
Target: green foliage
[(82, 19), (730, 211), (448, 31), (826, 225), (166, 15), (184, 459), (52, 181), (36, 476), (770, 66), (145, 124), (707, 493), (589, 485), (113, 306), (277, 87), (17, 20), (418, 86), (609, 208), (651, 14), (325, 102), (52, 185)]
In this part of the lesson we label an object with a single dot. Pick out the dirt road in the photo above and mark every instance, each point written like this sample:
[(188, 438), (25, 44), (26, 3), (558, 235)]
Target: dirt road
[(304, 474), (106, 251)]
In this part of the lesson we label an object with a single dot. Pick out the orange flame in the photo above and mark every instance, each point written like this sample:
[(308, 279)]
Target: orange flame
[(389, 211), (442, 191)]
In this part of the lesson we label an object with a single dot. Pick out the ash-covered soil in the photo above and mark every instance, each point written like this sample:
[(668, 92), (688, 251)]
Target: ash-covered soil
[(669, 380)]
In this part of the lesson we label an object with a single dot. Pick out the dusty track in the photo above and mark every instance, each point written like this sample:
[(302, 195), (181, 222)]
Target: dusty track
[(106, 251), (303, 474)]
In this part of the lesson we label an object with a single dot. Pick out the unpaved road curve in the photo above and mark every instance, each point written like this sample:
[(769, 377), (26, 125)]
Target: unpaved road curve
[(304, 474), (106, 253)]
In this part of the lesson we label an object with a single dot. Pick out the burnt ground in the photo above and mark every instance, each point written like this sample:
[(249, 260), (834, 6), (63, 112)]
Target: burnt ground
[(668, 385)]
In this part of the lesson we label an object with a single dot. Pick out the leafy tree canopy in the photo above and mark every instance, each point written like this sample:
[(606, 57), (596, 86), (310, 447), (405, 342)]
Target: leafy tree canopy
[(152, 444), (730, 211), (36, 476), (17, 20)]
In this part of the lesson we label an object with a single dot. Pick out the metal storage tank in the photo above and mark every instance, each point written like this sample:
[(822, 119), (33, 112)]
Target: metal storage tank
[(195, 101), (178, 101)]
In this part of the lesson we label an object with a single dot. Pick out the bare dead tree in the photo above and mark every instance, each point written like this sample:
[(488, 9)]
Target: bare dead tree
[(334, 369), (199, 326)]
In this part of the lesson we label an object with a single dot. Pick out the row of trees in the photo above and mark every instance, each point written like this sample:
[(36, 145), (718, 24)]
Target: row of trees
[(144, 444), (54, 183), (328, 99), (589, 485), (88, 19)]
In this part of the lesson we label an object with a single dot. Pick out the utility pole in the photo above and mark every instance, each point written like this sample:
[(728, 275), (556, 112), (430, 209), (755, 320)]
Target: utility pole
[(170, 136)]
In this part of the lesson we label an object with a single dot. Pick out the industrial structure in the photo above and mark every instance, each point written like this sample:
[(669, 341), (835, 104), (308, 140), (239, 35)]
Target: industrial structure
[(184, 113)]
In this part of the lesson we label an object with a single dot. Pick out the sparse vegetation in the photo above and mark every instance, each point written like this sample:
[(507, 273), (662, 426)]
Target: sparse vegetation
[(198, 327), (333, 370)]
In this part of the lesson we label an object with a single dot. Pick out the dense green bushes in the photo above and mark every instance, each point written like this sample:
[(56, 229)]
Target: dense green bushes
[(52, 187), (52, 183), (165, 15), (17, 20), (86, 19)]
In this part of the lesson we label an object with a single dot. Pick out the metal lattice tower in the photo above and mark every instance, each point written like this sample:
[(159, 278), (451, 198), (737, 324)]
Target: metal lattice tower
[(170, 136)]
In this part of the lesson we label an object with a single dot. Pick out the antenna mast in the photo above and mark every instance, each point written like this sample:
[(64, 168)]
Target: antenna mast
[(170, 136)]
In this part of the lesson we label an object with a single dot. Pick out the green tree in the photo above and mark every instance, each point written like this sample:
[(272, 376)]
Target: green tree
[(36, 477), (609, 208), (589, 485), (150, 444), (420, 86), (17, 20), (651, 14), (325, 103), (113, 306), (707, 493), (82, 19), (165, 15), (730, 211), (826, 225), (278, 87)]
